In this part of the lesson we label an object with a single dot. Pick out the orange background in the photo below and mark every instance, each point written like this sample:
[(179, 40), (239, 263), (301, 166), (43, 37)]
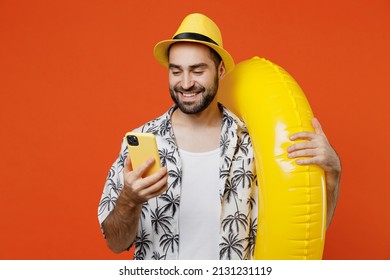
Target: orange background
[(76, 75)]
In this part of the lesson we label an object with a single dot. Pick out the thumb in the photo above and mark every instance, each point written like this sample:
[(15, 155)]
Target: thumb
[(128, 166), (317, 126)]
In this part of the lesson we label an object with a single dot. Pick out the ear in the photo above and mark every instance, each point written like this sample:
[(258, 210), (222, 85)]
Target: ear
[(221, 70)]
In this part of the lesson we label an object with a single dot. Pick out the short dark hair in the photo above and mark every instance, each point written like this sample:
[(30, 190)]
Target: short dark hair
[(215, 57)]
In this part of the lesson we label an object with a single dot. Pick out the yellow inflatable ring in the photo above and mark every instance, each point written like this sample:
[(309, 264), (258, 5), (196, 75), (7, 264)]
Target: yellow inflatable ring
[(292, 198)]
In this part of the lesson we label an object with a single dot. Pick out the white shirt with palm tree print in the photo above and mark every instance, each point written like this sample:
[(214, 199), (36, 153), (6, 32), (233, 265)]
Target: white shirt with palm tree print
[(158, 229)]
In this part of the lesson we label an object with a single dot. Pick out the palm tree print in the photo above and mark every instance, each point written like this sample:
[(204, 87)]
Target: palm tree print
[(138, 255), (227, 120), (157, 256), (231, 245), (224, 144), (166, 155), (107, 203), (111, 173), (251, 202), (176, 176), (243, 176), (143, 243), (251, 239), (243, 144), (237, 219), (172, 202), (115, 187), (144, 210), (160, 220), (230, 192), (122, 159), (169, 240), (150, 127), (224, 173), (164, 128)]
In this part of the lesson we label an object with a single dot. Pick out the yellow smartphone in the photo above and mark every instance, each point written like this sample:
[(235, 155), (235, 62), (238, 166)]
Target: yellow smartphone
[(143, 146)]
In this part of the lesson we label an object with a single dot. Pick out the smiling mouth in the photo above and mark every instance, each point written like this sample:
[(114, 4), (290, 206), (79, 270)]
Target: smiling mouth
[(189, 94)]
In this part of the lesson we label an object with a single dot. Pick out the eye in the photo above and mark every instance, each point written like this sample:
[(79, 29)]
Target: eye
[(175, 72), (198, 72)]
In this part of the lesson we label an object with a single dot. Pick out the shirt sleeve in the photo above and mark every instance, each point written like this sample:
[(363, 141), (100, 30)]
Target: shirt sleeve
[(113, 185)]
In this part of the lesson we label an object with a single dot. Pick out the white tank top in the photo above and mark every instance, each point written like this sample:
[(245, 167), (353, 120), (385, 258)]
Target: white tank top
[(200, 206)]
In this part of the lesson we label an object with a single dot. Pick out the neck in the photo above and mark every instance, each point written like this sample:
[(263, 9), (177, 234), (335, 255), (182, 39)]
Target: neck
[(211, 116), (198, 132)]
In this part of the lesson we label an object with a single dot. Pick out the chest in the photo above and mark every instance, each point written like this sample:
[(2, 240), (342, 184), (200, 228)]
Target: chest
[(198, 140)]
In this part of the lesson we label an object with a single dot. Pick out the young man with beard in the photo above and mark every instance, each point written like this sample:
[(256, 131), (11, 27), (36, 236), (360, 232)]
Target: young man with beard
[(202, 204)]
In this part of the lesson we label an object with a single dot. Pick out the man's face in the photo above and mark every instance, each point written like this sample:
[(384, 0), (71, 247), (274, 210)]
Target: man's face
[(193, 77)]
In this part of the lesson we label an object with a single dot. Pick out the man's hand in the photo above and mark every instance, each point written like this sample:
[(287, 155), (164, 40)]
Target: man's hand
[(136, 189), (121, 224), (317, 150)]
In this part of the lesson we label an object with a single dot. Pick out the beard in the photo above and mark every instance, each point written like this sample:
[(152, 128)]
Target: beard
[(194, 107)]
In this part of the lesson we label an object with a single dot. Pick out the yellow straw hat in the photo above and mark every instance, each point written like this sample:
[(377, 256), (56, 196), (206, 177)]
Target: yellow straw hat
[(200, 29)]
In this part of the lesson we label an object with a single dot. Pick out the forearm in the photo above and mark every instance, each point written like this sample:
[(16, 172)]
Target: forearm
[(332, 194), (120, 226)]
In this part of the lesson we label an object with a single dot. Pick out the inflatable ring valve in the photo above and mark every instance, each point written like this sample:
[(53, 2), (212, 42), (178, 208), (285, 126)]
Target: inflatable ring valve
[(292, 198)]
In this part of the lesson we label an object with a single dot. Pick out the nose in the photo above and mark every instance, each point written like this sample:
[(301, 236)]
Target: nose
[(187, 81)]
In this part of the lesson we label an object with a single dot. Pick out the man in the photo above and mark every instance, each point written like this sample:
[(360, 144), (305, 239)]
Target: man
[(202, 204)]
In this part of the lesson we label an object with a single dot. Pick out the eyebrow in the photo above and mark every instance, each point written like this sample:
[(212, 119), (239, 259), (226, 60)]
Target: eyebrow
[(198, 65)]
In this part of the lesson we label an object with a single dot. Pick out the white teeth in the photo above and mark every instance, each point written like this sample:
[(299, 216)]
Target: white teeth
[(188, 94)]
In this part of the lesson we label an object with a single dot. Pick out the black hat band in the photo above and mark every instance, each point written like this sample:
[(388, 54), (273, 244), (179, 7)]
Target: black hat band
[(194, 36)]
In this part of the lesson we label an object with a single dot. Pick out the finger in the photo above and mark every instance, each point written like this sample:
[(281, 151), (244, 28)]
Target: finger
[(301, 145), (135, 180), (304, 135), (156, 189), (306, 161), (161, 186), (140, 171), (155, 177), (159, 191), (302, 153), (128, 166), (317, 126)]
